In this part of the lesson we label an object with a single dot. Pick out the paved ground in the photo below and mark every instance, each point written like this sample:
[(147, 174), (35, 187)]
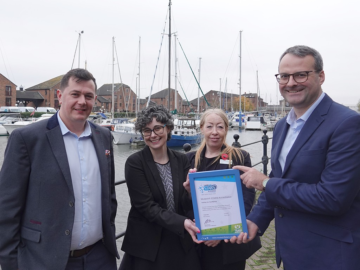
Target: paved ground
[(264, 258)]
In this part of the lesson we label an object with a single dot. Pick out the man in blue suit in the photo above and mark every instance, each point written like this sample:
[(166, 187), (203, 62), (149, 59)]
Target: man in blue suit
[(313, 190), (57, 194)]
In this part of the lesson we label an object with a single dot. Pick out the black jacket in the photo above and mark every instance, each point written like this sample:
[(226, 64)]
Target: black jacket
[(148, 215)]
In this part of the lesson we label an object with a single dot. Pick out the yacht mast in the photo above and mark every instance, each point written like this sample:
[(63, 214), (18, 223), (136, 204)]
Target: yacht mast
[(79, 47), (226, 108), (240, 83), (198, 101), (169, 79), (112, 86), (175, 74), (257, 98), (220, 94), (138, 95)]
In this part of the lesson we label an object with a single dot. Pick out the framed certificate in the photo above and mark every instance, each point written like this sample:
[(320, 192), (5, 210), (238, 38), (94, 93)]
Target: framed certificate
[(218, 204)]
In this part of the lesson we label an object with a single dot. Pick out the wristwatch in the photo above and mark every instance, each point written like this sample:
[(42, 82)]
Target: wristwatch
[(265, 182)]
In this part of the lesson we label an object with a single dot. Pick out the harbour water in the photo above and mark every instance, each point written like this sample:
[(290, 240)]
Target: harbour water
[(122, 152)]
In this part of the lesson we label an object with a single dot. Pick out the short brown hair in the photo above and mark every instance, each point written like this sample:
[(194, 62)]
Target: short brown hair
[(80, 75)]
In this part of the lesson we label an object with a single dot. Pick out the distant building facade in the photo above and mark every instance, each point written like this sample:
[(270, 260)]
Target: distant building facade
[(213, 98), (7, 92), (46, 94), (124, 98), (162, 98)]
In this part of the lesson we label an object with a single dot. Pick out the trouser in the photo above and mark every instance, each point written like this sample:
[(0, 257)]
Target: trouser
[(98, 258)]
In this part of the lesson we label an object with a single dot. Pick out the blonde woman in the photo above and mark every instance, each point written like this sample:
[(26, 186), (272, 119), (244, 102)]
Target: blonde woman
[(214, 126)]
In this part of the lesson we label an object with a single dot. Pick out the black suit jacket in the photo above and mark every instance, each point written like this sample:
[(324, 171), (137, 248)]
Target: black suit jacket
[(232, 253), (148, 215), (37, 199)]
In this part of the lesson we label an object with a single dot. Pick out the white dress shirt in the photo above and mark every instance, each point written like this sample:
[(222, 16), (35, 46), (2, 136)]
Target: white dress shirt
[(86, 181), (295, 127)]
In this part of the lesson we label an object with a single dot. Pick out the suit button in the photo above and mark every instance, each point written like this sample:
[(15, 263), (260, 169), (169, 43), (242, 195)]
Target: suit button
[(67, 232), (71, 204), (281, 215)]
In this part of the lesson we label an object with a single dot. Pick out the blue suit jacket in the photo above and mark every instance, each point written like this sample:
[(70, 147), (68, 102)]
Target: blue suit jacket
[(315, 200), (37, 199)]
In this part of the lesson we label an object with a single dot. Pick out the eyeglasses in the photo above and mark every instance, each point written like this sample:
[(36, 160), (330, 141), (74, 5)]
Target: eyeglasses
[(299, 77), (158, 130)]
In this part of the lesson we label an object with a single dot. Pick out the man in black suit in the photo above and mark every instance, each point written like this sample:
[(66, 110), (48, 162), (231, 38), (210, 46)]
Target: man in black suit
[(57, 194)]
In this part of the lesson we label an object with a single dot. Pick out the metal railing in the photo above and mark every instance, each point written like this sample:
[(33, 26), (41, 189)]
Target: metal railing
[(264, 160)]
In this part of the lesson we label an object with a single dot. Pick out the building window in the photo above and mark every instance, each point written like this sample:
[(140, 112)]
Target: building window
[(127, 89), (8, 91), (8, 101), (55, 93), (45, 92)]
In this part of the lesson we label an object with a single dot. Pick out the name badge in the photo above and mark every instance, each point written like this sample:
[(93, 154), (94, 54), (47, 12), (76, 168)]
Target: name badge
[(227, 162)]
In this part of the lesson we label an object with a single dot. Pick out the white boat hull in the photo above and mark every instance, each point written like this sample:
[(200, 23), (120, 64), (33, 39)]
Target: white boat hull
[(3, 131), (11, 127), (125, 138)]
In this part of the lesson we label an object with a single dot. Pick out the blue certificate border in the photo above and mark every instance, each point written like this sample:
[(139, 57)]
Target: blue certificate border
[(198, 176)]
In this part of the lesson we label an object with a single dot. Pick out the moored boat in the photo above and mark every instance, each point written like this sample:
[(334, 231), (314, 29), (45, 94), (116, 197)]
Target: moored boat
[(3, 131), (185, 130), (255, 123), (124, 133), (12, 126)]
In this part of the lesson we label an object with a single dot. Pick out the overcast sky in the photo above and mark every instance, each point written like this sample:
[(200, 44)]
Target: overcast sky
[(38, 40)]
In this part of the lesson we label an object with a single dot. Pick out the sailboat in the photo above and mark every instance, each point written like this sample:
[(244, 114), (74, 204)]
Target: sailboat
[(238, 118), (186, 130)]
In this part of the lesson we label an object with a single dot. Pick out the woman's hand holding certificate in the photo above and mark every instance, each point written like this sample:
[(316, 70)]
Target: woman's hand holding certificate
[(218, 204)]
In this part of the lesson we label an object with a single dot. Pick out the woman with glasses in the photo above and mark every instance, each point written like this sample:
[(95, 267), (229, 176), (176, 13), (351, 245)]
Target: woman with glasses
[(158, 235), (215, 154)]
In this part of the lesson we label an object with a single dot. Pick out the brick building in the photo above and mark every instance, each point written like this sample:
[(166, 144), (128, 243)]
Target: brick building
[(124, 98), (253, 98), (213, 98), (7, 92), (162, 97), (47, 90)]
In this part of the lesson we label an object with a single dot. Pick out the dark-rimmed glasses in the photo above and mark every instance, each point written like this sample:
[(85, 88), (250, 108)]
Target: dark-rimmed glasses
[(158, 130), (299, 77)]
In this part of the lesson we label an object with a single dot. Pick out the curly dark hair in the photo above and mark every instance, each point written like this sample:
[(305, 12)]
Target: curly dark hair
[(160, 113)]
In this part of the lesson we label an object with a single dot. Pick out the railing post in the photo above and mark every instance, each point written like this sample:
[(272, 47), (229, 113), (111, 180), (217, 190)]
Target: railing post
[(236, 143), (265, 158)]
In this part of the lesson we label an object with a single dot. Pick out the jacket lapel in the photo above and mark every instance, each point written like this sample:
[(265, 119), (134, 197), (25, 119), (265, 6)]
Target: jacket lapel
[(102, 160), (175, 178), (58, 147), (313, 122), (154, 171), (283, 129)]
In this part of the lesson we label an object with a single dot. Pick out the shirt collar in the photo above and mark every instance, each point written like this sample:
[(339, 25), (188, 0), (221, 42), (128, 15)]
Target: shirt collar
[(291, 118), (65, 130)]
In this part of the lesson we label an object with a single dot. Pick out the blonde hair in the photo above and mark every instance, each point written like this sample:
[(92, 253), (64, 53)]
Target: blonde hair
[(232, 152)]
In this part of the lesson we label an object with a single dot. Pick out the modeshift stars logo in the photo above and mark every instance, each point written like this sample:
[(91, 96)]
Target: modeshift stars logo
[(208, 188)]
